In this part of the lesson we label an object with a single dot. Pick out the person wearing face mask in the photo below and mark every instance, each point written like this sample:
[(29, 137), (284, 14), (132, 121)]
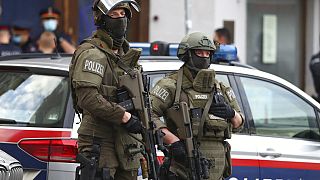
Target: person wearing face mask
[(95, 71), (212, 107), (6, 47), (50, 21), (22, 38)]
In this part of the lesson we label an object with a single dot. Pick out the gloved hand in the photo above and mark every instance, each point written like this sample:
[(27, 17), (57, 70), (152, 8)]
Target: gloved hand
[(133, 125), (222, 110), (178, 152)]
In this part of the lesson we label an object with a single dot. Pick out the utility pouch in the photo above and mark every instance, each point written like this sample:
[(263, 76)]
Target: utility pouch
[(195, 116), (109, 92), (228, 165), (228, 131), (215, 127), (128, 149)]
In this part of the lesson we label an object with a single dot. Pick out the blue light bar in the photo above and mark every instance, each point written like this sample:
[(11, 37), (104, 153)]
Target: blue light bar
[(173, 48), (144, 46), (226, 53)]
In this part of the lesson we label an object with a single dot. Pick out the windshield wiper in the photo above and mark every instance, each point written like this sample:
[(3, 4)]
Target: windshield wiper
[(7, 121), (11, 121)]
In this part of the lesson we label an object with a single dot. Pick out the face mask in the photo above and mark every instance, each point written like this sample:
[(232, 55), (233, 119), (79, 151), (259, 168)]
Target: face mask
[(16, 39), (50, 25), (116, 28), (199, 62)]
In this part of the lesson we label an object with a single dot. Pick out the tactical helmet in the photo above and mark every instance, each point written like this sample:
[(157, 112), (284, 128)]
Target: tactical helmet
[(102, 7), (196, 40)]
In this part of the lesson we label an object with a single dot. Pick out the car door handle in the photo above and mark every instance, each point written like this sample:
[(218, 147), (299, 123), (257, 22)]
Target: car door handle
[(270, 152)]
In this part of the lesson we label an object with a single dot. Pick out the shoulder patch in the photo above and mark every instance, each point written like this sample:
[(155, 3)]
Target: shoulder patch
[(93, 67), (160, 92), (230, 94)]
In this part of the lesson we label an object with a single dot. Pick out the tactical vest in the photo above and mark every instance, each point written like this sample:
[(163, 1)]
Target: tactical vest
[(115, 68), (199, 99)]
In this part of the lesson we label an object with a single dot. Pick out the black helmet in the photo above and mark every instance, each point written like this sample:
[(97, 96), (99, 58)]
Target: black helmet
[(102, 7)]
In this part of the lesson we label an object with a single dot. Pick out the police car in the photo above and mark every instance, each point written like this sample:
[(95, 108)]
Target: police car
[(10, 168), (280, 139)]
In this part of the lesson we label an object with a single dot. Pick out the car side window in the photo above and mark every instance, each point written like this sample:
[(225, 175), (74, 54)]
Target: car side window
[(223, 78), (278, 112)]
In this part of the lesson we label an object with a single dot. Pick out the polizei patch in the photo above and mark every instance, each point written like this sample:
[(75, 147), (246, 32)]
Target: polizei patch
[(94, 67), (160, 92)]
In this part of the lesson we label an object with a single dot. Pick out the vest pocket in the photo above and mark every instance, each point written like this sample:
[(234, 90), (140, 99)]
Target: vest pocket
[(228, 166), (215, 128), (124, 142)]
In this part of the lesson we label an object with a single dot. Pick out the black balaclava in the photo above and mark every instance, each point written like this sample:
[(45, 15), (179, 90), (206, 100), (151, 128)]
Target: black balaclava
[(116, 28), (196, 63)]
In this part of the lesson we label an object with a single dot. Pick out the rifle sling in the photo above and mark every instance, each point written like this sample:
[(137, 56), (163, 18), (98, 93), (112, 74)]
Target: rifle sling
[(204, 115)]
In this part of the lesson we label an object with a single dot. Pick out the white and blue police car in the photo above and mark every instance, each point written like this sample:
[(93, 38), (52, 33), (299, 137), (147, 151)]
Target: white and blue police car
[(280, 139)]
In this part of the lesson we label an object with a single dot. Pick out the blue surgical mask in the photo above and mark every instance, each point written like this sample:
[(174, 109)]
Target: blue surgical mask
[(50, 25), (16, 39)]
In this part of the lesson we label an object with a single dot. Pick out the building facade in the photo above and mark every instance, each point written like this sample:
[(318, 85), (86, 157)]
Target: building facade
[(275, 36)]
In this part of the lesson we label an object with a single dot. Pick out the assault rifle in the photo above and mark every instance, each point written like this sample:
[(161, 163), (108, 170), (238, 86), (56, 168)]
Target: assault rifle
[(134, 95), (198, 166)]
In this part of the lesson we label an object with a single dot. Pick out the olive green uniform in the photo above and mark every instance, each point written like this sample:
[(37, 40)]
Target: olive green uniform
[(94, 76), (194, 91)]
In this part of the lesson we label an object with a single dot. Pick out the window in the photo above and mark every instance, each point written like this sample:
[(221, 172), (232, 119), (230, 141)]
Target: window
[(32, 100), (279, 112)]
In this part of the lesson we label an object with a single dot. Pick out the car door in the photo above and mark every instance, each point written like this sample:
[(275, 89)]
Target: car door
[(286, 127), (245, 164)]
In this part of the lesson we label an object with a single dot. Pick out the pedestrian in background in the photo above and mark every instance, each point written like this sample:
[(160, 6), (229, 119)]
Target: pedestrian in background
[(50, 21), (21, 36), (46, 43), (315, 71), (6, 47), (222, 35)]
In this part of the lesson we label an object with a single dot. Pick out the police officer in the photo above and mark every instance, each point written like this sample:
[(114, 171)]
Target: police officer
[(195, 84), (21, 36), (95, 69), (315, 71), (6, 47), (50, 21)]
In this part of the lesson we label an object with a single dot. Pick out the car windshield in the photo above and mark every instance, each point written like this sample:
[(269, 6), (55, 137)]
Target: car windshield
[(32, 100)]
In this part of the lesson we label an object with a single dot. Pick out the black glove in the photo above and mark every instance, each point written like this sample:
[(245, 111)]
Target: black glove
[(222, 110), (178, 152), (133, 125)]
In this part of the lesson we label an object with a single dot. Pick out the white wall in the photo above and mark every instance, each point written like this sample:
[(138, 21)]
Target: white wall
[(312, 40), (233, 10), (170, 24), (206, 15)]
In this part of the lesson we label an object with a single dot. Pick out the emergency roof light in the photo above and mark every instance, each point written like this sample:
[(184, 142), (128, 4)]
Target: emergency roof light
[(225, 53), (157, 48)]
